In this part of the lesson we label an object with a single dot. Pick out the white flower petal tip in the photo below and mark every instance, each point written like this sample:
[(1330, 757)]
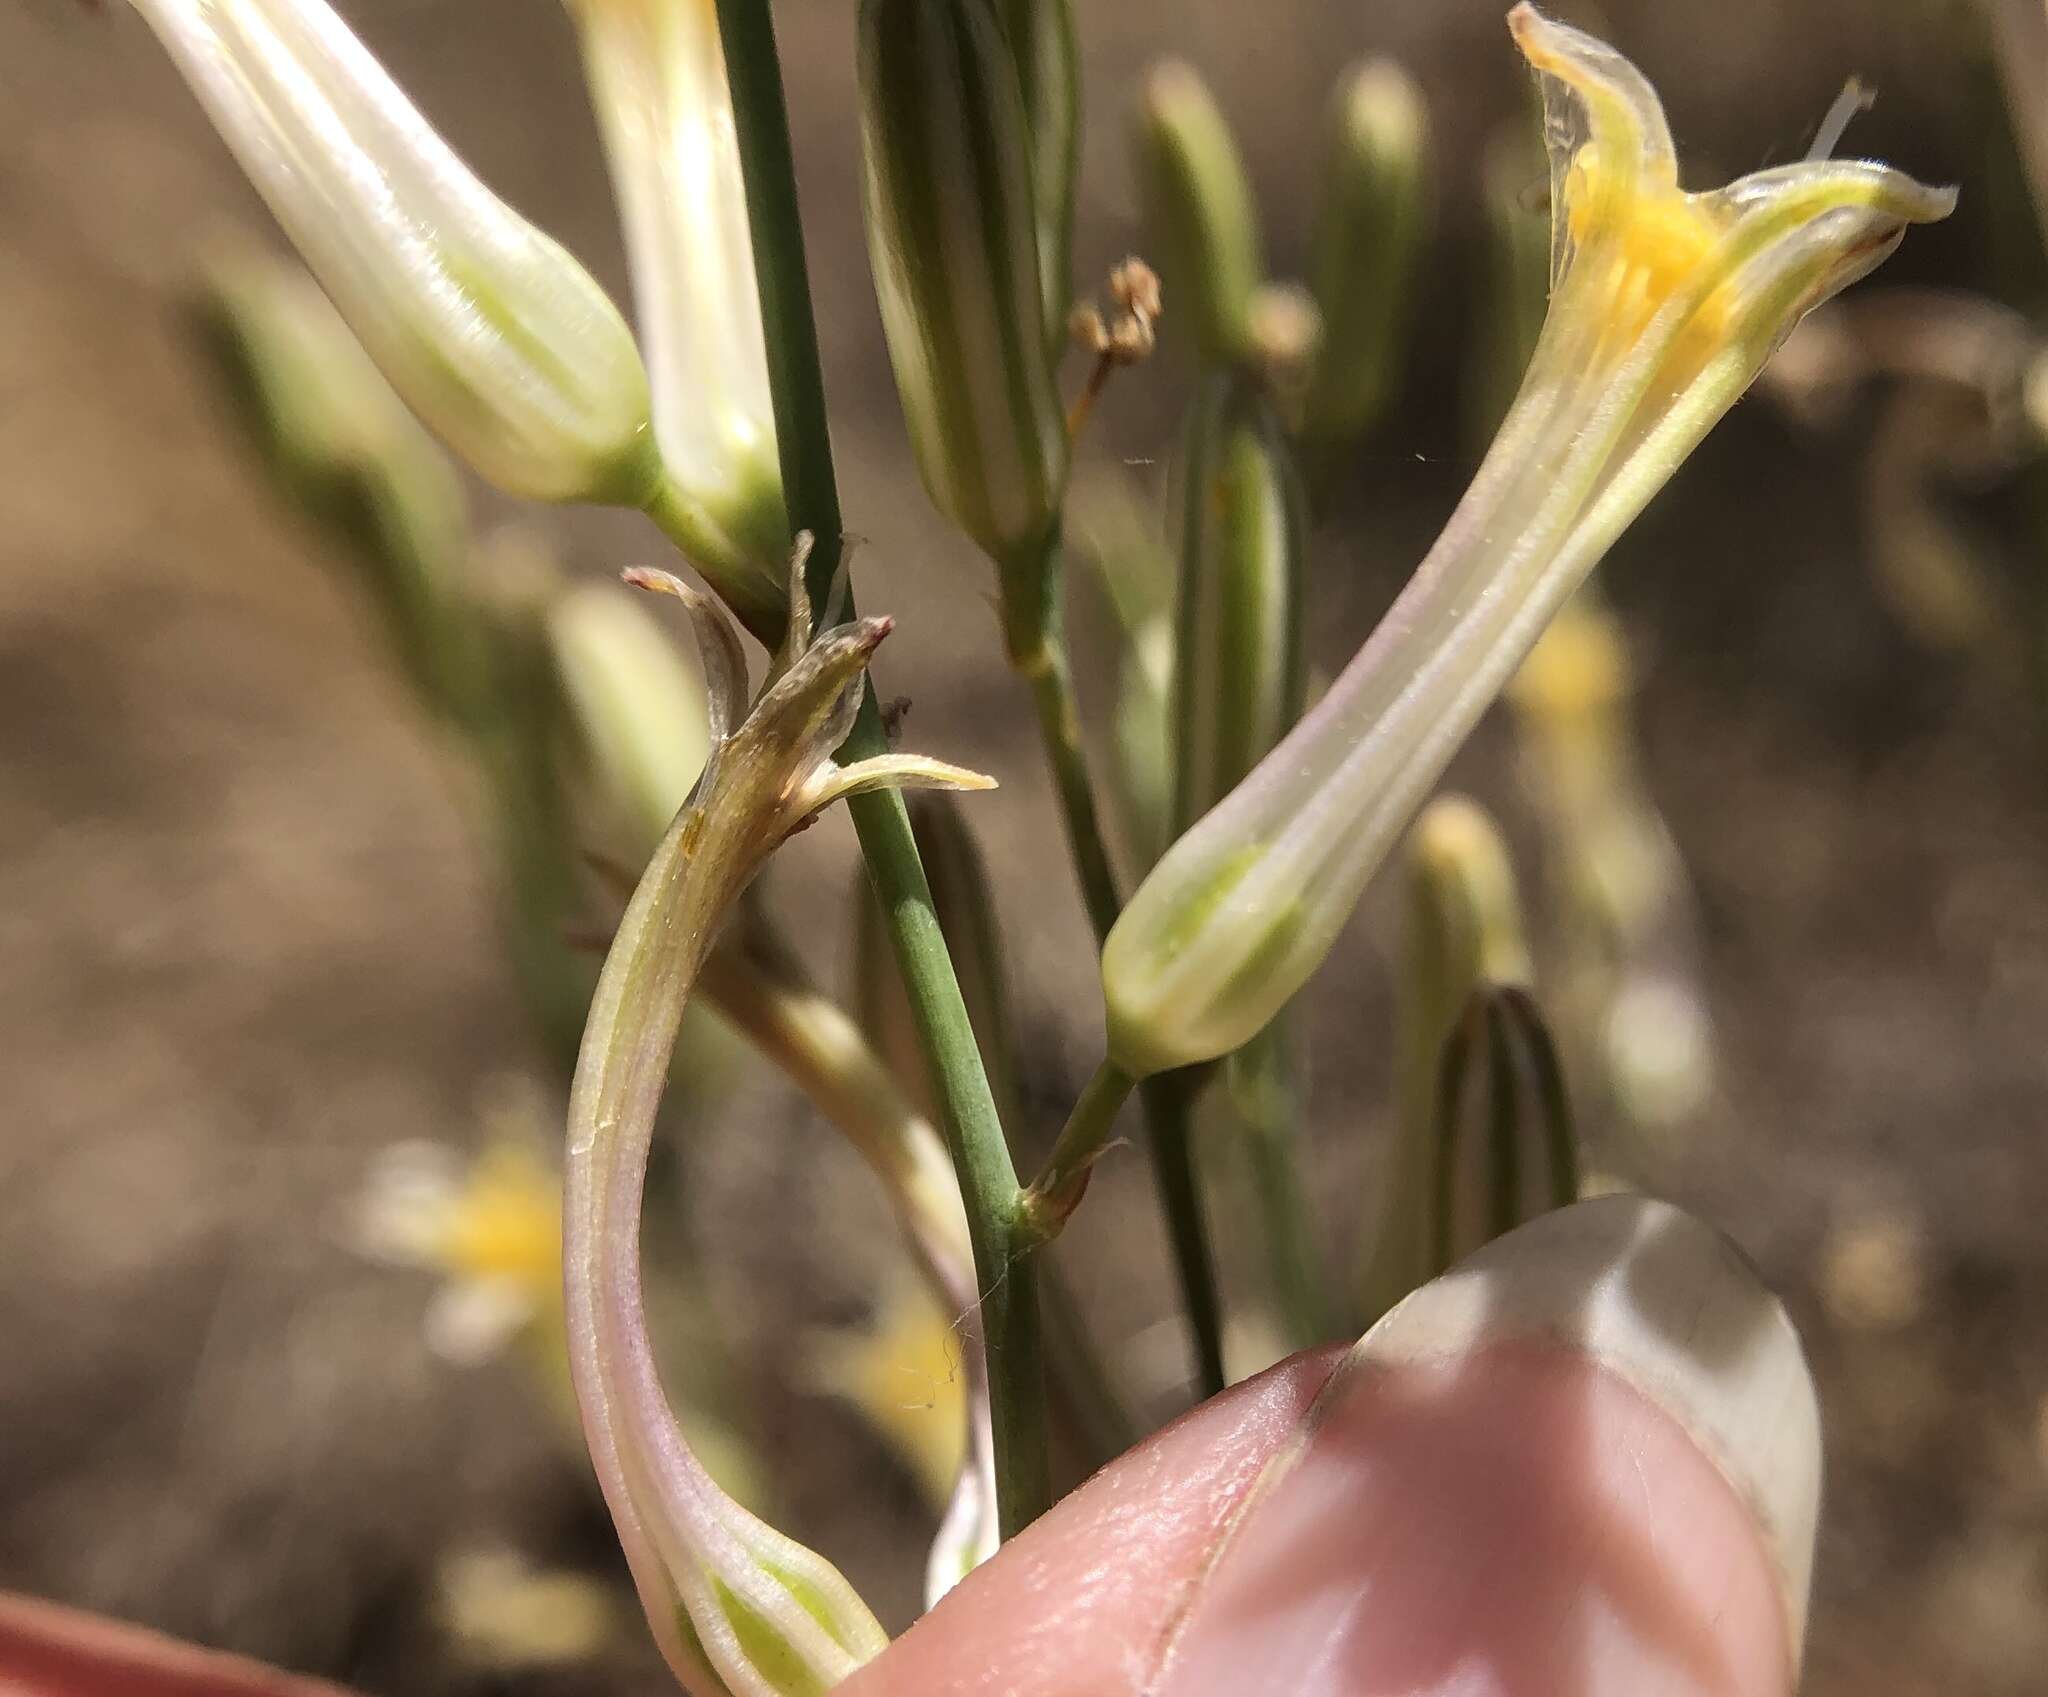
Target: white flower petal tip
[(1672, 1308)]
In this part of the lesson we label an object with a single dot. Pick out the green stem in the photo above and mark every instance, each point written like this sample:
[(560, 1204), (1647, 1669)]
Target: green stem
[(1037, 643), (974, 1132), (1057, 1190), (1169, 1099)]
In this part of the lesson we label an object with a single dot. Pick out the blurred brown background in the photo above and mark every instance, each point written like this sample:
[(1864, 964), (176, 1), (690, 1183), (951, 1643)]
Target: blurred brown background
[(248, 938)]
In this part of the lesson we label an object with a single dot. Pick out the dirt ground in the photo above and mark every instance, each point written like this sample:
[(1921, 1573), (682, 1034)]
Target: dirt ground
[(248, 937)]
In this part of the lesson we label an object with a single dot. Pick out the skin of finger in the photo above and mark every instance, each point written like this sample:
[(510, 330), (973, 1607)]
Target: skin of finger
[(50, 1651), (1520, 1522), (1083, 1601)]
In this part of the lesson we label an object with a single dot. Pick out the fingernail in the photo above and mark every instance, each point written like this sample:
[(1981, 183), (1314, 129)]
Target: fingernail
[(1584, 1463)]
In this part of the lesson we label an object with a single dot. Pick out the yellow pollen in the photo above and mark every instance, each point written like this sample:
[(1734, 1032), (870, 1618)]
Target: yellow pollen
[(1660, 235)]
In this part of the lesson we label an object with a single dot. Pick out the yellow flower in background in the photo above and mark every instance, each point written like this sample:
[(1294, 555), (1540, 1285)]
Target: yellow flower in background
[(490, 1225)]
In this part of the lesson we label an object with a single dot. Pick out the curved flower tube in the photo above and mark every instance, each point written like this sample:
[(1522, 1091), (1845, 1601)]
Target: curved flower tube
[(657, 77), (1664, 306), (490, 331), (735, 1606)]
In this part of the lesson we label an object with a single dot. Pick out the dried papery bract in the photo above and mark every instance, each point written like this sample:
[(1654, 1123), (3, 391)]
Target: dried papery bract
[(494, 335), (658, 83), (1665, 306), (735, 1606)]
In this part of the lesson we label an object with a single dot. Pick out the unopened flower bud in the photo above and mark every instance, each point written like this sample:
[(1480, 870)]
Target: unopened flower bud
[(494, 335), (1200, 203), (953, 239), (1368, 236)]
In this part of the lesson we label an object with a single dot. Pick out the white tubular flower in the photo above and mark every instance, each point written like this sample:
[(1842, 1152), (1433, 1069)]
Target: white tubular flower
[(657, 79), (493, 334), (1664, 306), (736, 1607)]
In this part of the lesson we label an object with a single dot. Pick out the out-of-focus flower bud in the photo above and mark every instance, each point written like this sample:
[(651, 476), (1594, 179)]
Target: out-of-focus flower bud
[(1504, 1146), (657, 79), (1368, 236), (1627, 991), (1041, 36), (498, 339), (1237, 673), (1666, 305), (637, 704), (347, 451), (1200, 204), (734, 1605), (953, 238), (1125, 539)]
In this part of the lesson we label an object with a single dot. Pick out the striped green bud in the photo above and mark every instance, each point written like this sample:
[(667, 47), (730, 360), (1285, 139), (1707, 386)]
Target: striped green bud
[(1368, 235), (953, 239), (1199, 204), (1041, 36), (1503, 1145)]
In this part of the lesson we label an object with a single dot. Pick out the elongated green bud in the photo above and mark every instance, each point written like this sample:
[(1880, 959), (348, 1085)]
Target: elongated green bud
[(494, 335), (953, 239), (1368, 237), (1237, 673), (1503, 1144), (1041, 36), (1664, 307), (1462, 931), (1200, 204), (345, 449)]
